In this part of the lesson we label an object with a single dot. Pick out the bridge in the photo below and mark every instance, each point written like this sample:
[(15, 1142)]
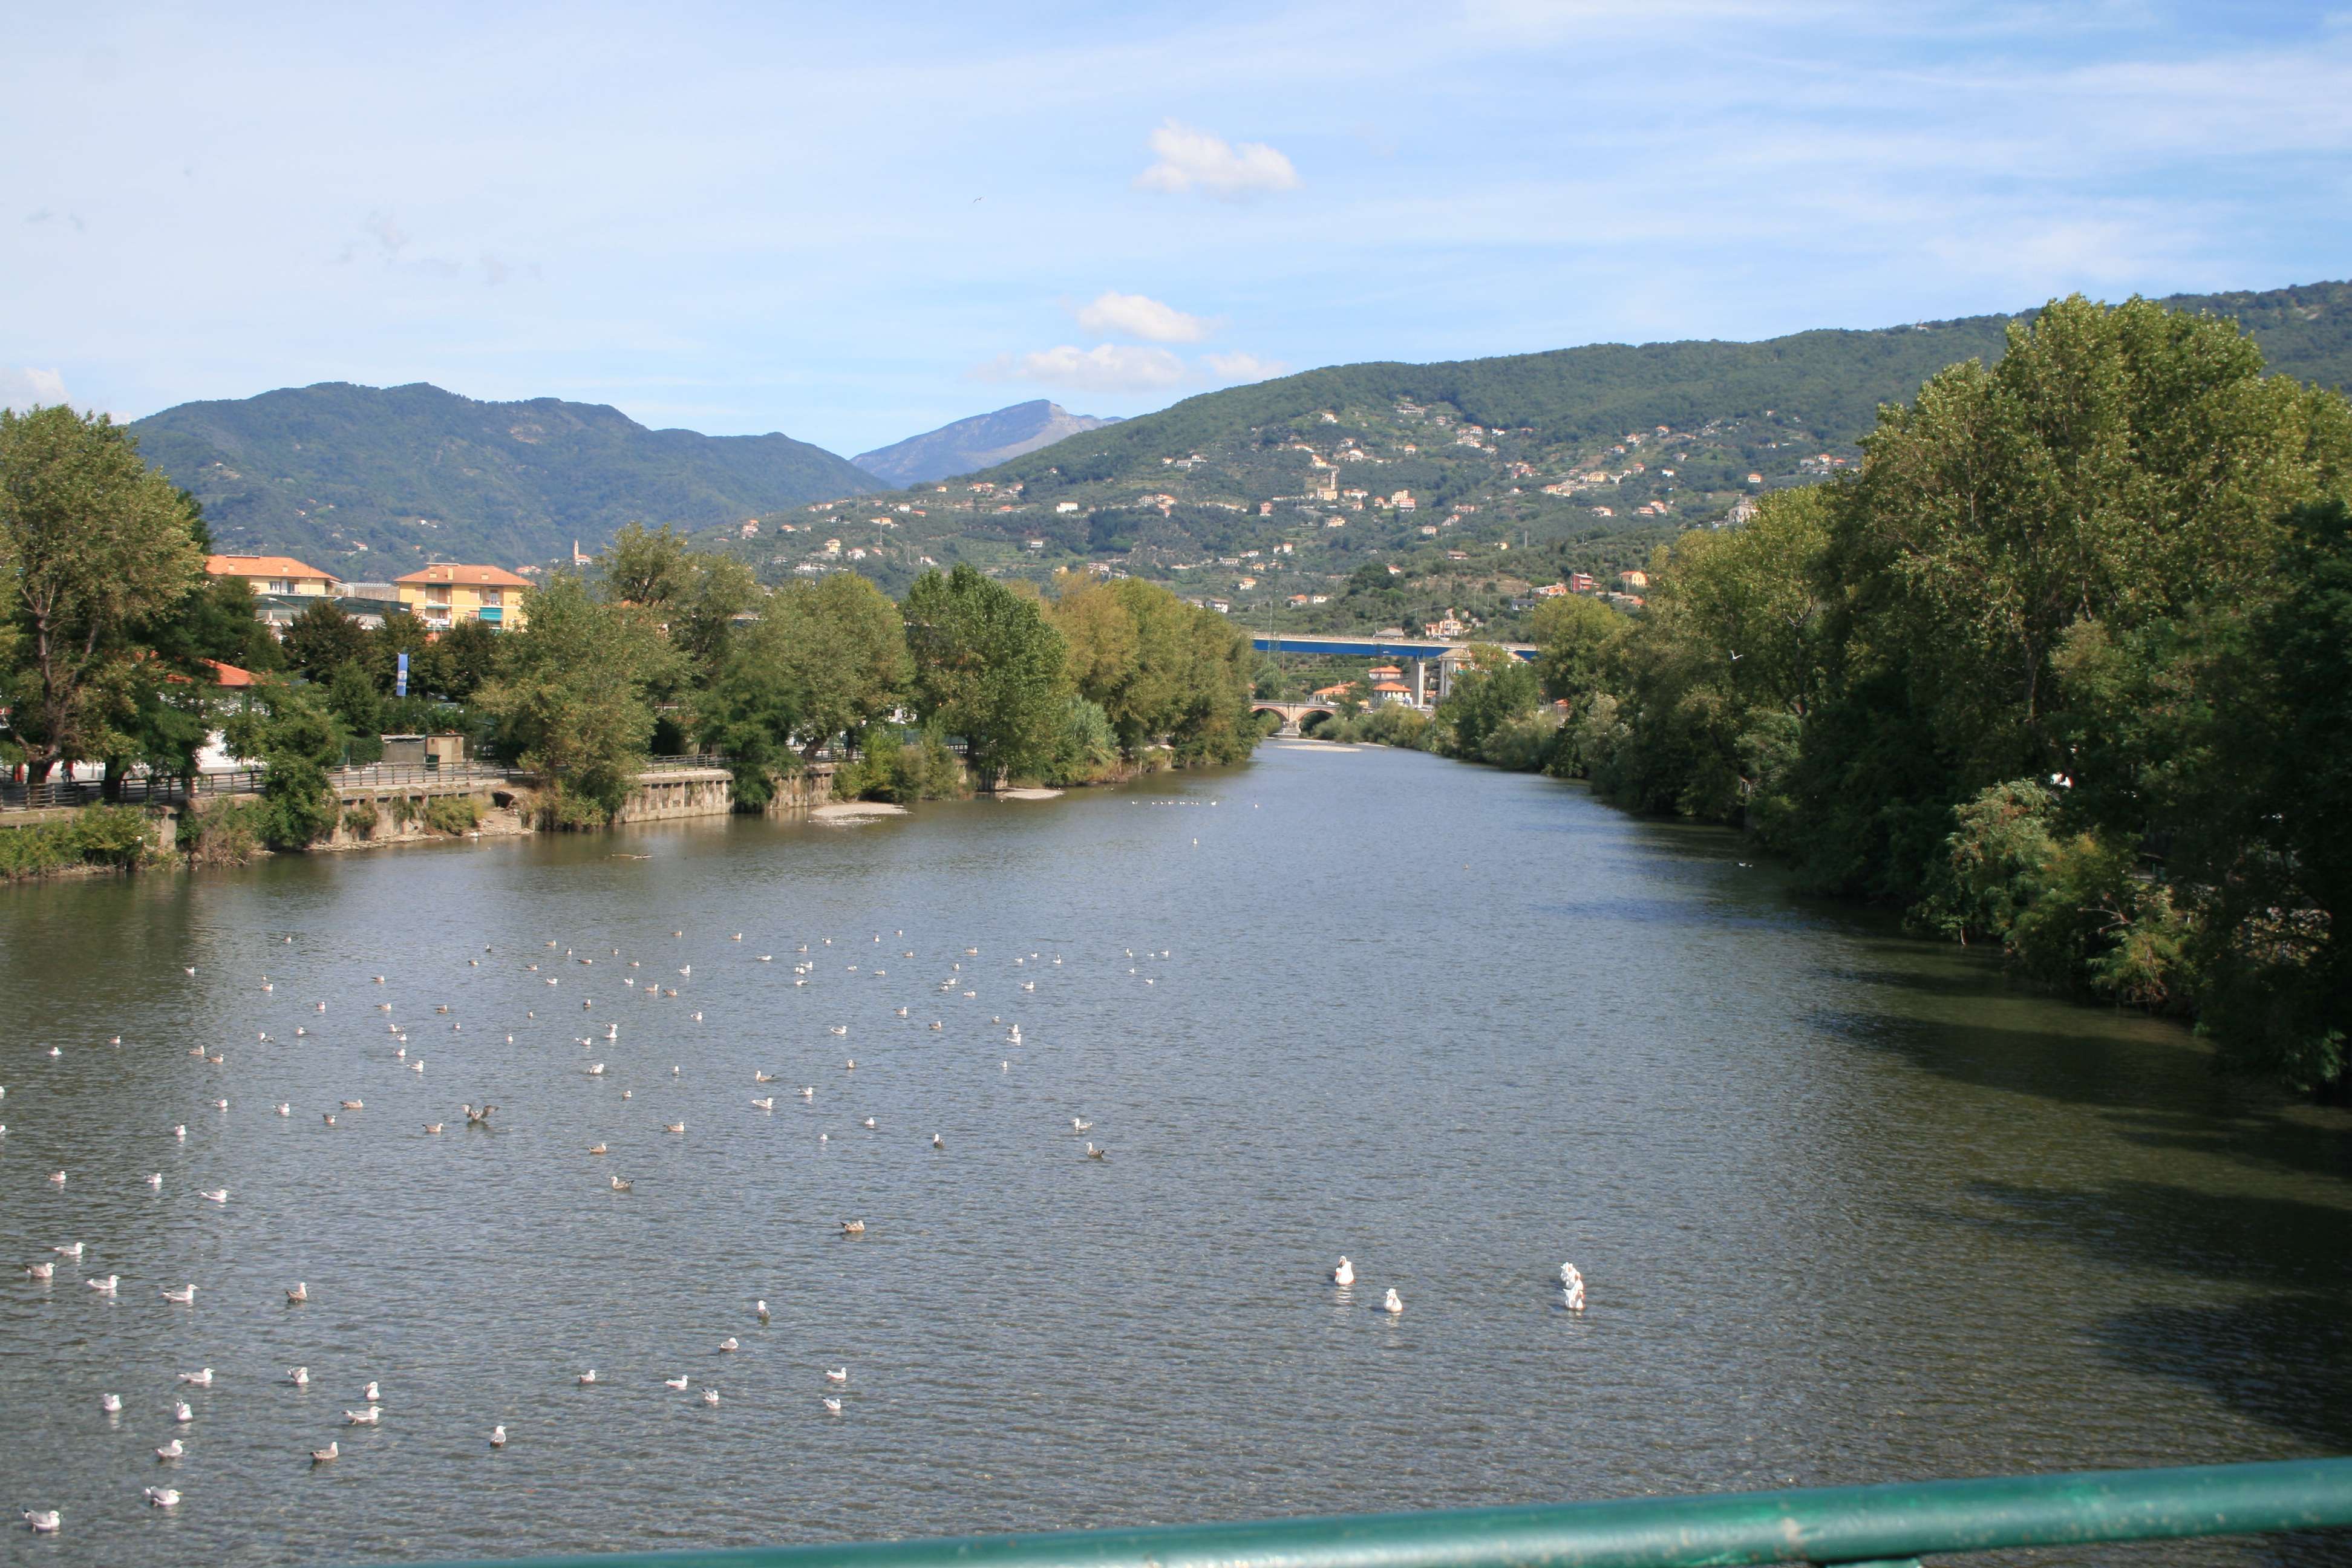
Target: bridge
[(1294, 715)]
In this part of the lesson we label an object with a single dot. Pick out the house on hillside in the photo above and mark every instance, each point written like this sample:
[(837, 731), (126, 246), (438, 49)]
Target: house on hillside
[(444, 595)]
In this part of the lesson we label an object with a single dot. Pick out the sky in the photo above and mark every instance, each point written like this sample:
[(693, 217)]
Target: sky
[(853, 224)]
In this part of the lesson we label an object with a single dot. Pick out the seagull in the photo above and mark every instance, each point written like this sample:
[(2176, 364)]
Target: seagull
[(767, 1104), (283, 1109), (1392, 1303), (368, 1418), (110, 1402), (181, 1412), (180, 1131), (597, 1149), (853, 1227), (328, 1117), (163, 1497), (353, 1105), (833, 1406), (1572, 1296), (585, 1378), (838, 1374), (621, 1186), (156, 1181), (301, 1292), (497, 1436), (869, 1123), (213, 1195), (673, 1126), (1080, 1124), (44, 1520), (300, 1377), (332, 1451), (759, 1076), (728, 1343), (433, 1126), (104, 1287), (1093, 1152), (370, 1393), (199, 1379), (183, 1297), (761, 1308), (1345, 1274), (937, 1141), (678, 1383), (71, 1249), (171, 1450)]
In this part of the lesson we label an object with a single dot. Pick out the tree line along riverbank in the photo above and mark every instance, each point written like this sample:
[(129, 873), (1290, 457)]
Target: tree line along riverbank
[(112, 637), (2065, 667)]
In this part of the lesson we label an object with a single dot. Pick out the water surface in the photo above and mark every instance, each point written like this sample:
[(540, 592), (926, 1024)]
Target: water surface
[(1849, 1207)]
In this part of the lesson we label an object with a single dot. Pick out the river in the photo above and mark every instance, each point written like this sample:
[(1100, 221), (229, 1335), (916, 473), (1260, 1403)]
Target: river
[(1849, 1206)]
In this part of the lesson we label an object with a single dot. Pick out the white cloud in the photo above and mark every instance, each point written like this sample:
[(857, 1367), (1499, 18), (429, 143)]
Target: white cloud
[(1244, 367), (22, 388), (1106, 367), (1194, 160), (1140, 316)]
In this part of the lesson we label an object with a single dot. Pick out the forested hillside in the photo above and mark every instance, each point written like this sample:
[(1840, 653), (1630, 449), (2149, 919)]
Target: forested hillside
[(373, 481), (1289, 500)]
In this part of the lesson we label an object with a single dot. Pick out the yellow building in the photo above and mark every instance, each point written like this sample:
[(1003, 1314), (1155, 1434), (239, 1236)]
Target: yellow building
[(443, 596), (272, 574)]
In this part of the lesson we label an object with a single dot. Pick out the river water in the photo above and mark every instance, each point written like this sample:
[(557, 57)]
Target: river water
[(1849, 1207)]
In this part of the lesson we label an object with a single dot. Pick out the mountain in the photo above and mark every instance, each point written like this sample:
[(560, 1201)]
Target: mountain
[(975, 443), (1474, 477), (373, 481)]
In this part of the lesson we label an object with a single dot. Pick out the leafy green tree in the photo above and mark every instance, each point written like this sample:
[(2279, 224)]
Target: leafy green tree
[(987, 667), (572, 702), (1493, 688), (1577, 634), (825, 660), (2120, 466), (100, 544), (290, 730), (468, 658), (358, 707), (323, 640), (428, 666)]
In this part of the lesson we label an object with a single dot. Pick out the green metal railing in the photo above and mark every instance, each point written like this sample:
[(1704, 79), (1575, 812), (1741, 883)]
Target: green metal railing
[(1874, 1525)]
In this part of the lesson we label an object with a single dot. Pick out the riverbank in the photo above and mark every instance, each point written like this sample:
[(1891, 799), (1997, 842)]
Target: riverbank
[(375, 813)]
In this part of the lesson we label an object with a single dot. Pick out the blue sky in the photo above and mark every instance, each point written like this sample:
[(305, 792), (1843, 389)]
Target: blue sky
[(855, 223)]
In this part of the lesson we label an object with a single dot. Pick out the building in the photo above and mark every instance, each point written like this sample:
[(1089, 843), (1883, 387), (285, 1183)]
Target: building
[(1634, 579), (1580, 582), (443, 595), (272, 574), (1391, 694)]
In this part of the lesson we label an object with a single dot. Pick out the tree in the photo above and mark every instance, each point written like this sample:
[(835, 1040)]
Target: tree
[(1158, 668), (100, 542), (294, 737), (572, 701), (2120, 466), (358, 707), (1492, 688), (1576, 632), (469, 658), (322, 640), (824, 659), (987, 667)]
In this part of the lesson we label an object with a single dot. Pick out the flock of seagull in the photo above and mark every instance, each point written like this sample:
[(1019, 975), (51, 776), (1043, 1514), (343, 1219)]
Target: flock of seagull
[(368, 1410)]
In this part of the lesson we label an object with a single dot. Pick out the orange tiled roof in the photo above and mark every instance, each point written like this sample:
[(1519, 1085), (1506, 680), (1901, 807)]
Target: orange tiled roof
[(261, 567), (468, 576), (228, 674)]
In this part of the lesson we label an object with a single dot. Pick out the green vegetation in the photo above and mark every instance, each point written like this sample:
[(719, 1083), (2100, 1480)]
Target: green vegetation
[(372, 482), (116, 836), (2066, 666), (455, 815)]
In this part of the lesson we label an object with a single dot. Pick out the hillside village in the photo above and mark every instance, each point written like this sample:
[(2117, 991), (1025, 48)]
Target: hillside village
[(1467, 526)]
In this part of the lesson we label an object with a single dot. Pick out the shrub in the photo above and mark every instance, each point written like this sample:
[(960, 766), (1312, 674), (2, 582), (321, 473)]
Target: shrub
[(452, 814), (227, 833), (359, 818), (110, 835), (36, 850)]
